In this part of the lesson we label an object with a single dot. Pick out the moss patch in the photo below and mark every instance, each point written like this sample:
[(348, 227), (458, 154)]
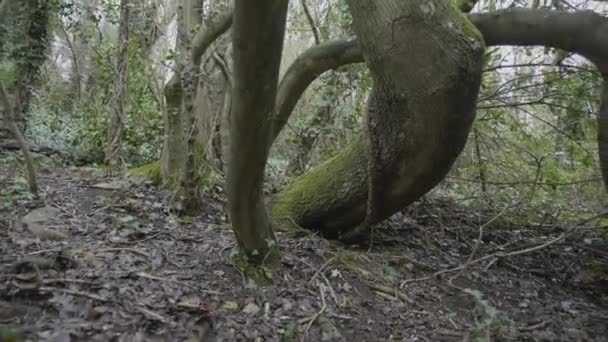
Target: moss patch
[(150, 171), (256, 273), (467, 25), (320, 187)]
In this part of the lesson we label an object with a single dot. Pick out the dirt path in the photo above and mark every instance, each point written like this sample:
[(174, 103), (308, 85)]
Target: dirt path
[(111, 264)]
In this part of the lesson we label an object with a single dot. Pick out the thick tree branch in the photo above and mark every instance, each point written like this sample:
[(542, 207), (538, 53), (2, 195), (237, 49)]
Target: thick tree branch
[(305, 69), (208, 34), (200, 43), (585, 33), (466, 6)]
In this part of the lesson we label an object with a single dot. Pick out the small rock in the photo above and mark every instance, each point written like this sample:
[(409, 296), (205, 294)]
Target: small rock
[(544, 336), (576, 334), (46, 234), (230, 306), (251, 309), (113, 185), (41, 215)]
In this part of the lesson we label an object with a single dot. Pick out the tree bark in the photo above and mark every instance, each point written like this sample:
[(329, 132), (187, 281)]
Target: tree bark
[(305, 69), (259, 28), (423, 106), (11, 124), (188, 18), (173, 156), (33, 54), (602, 132), (585, 33), (315, 199), (116, 129)]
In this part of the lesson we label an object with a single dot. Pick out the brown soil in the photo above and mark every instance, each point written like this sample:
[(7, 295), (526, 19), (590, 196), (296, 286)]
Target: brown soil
[(131, 271)]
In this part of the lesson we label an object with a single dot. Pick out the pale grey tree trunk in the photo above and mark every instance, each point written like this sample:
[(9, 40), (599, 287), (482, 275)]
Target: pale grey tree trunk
[(114, 157), (189, 18), (177, 127)]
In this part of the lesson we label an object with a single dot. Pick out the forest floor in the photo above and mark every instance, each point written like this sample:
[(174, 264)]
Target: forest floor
[(102, 259)]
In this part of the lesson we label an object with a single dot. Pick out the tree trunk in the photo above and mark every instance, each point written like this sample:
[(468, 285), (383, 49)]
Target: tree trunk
[(481, 169), (116, 129), (34, 51), (325, 197), (425, 104), (188, 18), (602, 136), (11, 124), (173, 156), (259, 28)]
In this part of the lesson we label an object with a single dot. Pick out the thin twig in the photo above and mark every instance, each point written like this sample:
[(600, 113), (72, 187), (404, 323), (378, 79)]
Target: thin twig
[(500, 255), (312, 319), (478, 242), (74, 293), (322, 268), (391, 291), (124, 249)]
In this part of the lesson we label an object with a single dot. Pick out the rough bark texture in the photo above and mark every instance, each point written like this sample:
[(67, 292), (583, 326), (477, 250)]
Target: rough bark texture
[(259, 28), (116, 129), (32, 54), (424, 102), (585, 33), (189, 17), (602, 136), (173, 156), (11, 124), (315, 199)]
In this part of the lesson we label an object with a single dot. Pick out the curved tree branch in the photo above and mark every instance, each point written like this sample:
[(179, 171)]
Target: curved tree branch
[(208, 34), (305, 69), (585, 33)]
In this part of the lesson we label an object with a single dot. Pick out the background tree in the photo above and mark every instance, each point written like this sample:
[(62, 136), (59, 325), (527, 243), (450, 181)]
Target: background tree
[(114, 153), (537, 111), (311, 200)]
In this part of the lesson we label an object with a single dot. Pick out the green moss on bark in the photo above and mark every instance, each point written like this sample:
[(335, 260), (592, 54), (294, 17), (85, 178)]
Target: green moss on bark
[(328, 185), (150, 171), (467, 25)]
